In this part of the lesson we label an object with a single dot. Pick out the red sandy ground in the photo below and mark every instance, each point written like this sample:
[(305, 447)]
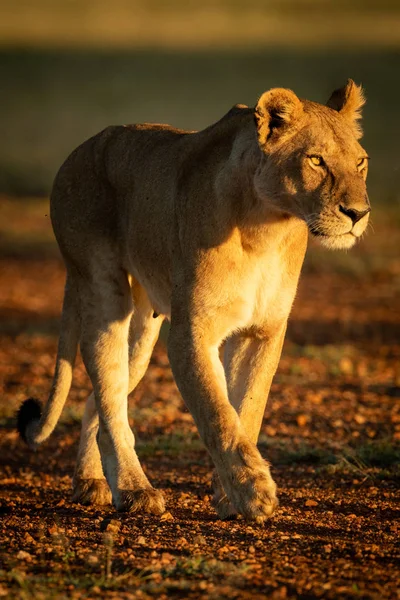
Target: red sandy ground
[(331, 431)]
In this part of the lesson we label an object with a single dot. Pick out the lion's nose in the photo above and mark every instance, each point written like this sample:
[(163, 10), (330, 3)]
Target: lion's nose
[(355, 215)]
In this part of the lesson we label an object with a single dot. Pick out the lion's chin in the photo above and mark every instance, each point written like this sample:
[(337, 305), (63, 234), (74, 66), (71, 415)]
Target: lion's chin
[(337, 242)]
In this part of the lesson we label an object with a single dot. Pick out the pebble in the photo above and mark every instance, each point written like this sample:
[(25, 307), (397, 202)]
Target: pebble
[(113, 526), (22, 555), (200, 540), (53, 530), (92, 560), (167, 517), (311, 503)]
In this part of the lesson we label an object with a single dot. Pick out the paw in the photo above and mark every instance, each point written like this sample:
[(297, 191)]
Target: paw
[(256, 499), (249, 487), (91, 491), (146, 500), (224, 508), (222, 505)]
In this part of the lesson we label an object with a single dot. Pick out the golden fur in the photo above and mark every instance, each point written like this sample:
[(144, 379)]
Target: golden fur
[(208, 229)]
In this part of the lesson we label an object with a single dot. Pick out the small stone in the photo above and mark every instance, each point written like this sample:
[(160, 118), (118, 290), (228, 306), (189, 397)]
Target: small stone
[(113, 526), (110, 525), (141, 540), (166, 557), (302, 420), (203, 585), (53, 530), (346, 366), (360, 419), (92, 560), (200, 540), (311, 503), (166, 517), (29, 539), (252, 550), (22, 555), (182, 541)]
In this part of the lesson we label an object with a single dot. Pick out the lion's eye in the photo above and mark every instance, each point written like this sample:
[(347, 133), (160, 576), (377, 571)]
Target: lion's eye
[(362, 163), (316, 160)]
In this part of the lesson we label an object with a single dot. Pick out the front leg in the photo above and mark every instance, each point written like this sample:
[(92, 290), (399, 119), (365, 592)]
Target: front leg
[(193, 352), (250, 364)]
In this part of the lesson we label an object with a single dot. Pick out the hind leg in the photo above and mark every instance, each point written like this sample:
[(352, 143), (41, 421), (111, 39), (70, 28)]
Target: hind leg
[(89, 484)]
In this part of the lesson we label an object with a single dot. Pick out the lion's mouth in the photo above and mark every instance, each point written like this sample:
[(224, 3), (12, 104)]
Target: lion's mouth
[(335, 240), (317, 233)]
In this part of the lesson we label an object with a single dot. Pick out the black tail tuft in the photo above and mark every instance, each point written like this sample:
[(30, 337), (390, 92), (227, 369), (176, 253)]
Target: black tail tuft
[(30, 410)]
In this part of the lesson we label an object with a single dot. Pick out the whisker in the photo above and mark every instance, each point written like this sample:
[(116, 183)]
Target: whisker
[(313, 223)]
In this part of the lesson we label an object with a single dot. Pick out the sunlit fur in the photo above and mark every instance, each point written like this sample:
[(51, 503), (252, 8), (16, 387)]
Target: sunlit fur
[(337, 242), (314, 192), (209, 229)]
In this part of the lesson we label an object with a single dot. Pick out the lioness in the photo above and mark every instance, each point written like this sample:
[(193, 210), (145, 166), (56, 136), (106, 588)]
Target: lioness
[(208, 229)]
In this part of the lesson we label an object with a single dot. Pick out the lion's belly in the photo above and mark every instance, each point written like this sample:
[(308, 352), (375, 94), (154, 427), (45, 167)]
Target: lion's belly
[(158, 289), (149, 262), (154, 274)]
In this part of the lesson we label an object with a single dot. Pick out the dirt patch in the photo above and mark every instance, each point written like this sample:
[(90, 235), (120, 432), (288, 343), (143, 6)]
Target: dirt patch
[(331, 431)]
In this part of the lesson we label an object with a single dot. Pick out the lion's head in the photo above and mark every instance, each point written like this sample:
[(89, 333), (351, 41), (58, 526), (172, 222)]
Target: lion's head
[(312, 164)]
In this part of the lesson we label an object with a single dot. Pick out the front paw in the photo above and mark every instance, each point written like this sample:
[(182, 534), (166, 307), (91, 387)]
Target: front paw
[(255, 498), (91, 491), (220, 500), (249, 486), (146, 500)]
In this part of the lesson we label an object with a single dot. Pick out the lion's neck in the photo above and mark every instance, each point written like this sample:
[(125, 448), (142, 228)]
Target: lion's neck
[(261, 222)]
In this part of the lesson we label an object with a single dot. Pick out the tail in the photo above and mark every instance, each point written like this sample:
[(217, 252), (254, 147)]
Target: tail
[(35, 426)]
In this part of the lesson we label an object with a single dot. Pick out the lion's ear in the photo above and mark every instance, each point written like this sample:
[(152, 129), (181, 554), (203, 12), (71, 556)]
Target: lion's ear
[(348, 101), (276, 112)]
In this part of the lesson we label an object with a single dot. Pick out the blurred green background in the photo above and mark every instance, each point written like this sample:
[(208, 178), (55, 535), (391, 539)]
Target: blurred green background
[(68, 68)]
